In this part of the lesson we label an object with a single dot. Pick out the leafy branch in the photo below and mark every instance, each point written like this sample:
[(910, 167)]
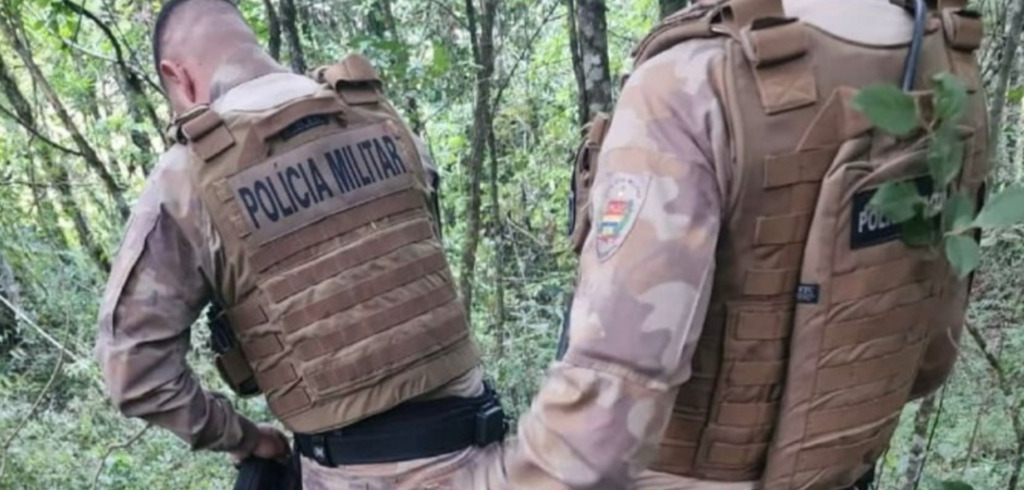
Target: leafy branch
[(952, 224)]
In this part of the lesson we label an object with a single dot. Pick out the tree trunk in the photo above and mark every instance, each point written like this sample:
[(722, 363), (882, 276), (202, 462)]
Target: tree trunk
[(670, 6), (46, 213), (593, 39), (274, 28), (140, 107), (498, 237), (483, 54), (8, 321), (57, 173), (290, 25), (1009, 45), (1018, 466), (577, 63), (920, 442), (92, 159)]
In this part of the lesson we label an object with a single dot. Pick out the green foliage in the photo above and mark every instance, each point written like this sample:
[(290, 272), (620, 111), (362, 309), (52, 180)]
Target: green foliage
[(888, 107), (891, 110)]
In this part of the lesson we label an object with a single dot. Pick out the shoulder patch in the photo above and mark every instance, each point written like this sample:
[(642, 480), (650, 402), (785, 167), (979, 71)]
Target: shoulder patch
[(621, 204)]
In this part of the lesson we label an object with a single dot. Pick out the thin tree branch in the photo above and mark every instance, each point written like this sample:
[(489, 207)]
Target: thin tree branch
[(92, 159), (28, 127), (115, 447), (42, 333), (993, 363), (31, 413)]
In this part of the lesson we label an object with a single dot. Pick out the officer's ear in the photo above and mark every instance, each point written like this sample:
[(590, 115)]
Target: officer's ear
[(180, 85)]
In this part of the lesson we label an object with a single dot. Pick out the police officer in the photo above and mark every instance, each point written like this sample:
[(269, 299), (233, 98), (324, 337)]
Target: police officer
[(732, 327), (302, 209)]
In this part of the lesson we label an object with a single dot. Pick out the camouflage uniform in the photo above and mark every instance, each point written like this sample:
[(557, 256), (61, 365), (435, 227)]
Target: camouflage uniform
[(165, 273), (660, 198)]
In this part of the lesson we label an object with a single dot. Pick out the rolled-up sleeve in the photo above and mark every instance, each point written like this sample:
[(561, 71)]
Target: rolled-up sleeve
[(156, 290), (645, 279)]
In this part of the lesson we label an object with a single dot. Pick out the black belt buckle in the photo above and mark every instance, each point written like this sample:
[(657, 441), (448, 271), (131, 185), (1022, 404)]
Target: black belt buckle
[(490, 424)]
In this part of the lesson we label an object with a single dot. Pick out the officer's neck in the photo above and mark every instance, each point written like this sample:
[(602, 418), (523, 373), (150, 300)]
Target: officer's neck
[(242, 65)]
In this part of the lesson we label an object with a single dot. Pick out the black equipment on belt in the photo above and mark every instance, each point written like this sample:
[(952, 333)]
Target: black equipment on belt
[(230, 360), (411, 431), (264, 474)]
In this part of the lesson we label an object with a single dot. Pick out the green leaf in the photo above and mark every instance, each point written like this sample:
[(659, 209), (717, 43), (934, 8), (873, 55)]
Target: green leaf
[(897, 201), (950, 97), (919, 232), (1015, 94), (1004, 209), (888, 108), (955, 485), (945, 156), (963, 254), (957, 213)]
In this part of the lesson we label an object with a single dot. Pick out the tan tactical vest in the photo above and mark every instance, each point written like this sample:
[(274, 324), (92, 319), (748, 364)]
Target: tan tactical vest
[(334, 280), (819, 312)]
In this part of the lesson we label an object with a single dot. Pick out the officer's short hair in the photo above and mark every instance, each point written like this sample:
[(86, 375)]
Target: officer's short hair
[(159, 29)]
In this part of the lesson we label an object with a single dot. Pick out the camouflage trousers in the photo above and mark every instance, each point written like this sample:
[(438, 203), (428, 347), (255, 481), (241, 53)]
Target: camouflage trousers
[(470, 469), (475, 468), (651, 480)]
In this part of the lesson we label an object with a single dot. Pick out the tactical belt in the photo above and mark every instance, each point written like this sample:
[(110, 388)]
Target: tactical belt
[(410, 431)]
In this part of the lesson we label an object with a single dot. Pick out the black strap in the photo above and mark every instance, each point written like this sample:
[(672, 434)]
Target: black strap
[(410, 431)]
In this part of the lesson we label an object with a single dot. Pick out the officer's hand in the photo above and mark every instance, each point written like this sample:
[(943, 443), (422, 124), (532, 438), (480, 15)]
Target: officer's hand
[(272, 444)]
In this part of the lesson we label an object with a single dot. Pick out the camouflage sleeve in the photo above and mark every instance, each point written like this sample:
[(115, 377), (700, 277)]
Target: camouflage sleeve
[(645, 278), (154, 293)]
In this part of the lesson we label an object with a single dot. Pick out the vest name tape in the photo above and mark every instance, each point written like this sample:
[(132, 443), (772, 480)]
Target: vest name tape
[(319, 179), (868, 227)]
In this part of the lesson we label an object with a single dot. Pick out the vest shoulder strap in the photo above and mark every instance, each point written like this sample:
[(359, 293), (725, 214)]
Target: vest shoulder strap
[(203, 130), (354, 78)]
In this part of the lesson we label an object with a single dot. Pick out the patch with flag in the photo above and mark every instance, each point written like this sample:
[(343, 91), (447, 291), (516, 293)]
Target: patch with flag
[(621, 206)]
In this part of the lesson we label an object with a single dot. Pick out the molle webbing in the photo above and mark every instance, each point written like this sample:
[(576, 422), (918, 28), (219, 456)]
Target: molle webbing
[(340, 283)]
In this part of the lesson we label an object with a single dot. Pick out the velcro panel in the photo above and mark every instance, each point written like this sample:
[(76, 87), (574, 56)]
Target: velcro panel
[(417, 342), (866, 413), (350, 333), (370, 248), (336, 225), (763, 325), (246, 315), (756, 373), (877, 279), (314, 106), (770, 282), (366, 289), (839, 377), (780, 230), (794, 168), (289, 402), (263, 347)]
